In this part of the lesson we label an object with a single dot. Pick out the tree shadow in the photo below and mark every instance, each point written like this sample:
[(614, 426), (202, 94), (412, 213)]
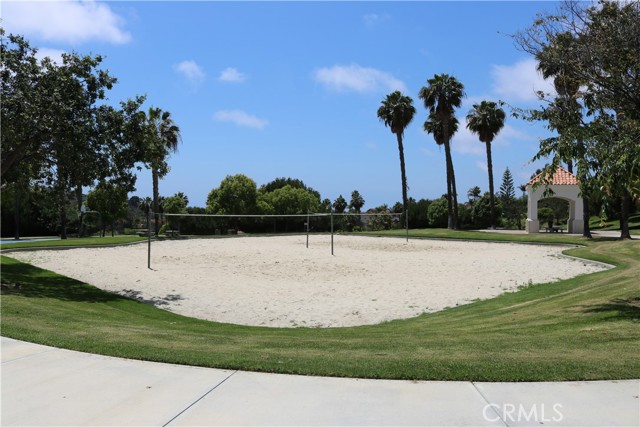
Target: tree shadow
[(33, 282), (619, 309), (155, 301)]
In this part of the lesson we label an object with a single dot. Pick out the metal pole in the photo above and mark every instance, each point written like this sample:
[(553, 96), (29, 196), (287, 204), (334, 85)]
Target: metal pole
[(149, 239), (307, 229), (331, 232)]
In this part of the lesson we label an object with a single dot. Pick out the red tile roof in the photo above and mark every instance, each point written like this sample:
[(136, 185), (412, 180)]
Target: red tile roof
[(560, 177)]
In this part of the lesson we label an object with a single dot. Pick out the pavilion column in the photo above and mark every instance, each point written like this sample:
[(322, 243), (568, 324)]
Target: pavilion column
[(576, 215), (533, 225)]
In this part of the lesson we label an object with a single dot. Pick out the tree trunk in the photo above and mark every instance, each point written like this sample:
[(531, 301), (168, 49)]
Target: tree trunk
[(586, 230), (451, 187), (570, 166), (63, 215), (403, 173), (16, 211), (492, 202), (454, 198), (154, 174), (625, 208), (447, 152), (79, 197), (449, 201)]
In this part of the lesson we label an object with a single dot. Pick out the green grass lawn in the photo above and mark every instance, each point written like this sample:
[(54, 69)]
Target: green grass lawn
[(586, 328), (84, 241), (634, 224)]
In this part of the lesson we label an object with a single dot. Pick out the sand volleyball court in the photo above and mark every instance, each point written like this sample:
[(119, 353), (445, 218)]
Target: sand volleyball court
[(278, 282)]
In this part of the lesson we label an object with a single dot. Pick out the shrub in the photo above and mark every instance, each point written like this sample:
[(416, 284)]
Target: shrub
[(481, 213), (438, 213)]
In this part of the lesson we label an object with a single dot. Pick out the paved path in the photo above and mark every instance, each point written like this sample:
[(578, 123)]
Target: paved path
[(49, 386)]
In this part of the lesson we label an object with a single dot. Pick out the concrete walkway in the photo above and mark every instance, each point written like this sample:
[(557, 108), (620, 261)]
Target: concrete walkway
[(49, 386)]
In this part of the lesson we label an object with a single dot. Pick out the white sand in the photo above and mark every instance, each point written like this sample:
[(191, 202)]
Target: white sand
[(278, 282)]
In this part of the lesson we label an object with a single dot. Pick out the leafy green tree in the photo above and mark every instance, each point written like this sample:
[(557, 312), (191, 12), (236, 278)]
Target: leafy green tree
[(546, 214), (382, 221), (293, 201), (597, 49), (282, 182), (441, 96), (163, 137), (396, 112), (438, 213), (481, 211), (176, 204), (340, 204), (418, 211), (71, 90), (486, 119), (236, 195), (22, 137), (110, 201)]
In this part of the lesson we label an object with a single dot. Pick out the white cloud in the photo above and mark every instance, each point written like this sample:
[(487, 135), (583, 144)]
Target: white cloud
[(240, 118), (54, 54), (191, 70), (372, 146), (482, 166), (232, 75), (371, 19), (344, 78), (520, 81), (64, 21), (466, 142)]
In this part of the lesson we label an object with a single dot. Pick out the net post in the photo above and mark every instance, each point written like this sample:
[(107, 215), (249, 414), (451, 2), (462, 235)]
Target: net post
[(332, 232), (149, 239), (307, 229)]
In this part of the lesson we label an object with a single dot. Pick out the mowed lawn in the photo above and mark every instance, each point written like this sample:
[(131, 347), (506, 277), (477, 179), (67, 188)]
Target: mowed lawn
[(586, 328)]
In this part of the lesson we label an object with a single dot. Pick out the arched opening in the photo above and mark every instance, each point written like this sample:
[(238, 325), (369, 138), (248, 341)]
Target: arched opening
[(554, 213)]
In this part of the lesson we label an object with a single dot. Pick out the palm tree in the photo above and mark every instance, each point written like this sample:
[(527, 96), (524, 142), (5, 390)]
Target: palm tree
[(441, 96), (396, 112), (486, 119), (162, 139), (357, 202)]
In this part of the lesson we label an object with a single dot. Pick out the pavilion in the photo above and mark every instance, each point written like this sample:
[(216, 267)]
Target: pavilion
[(563, 185)]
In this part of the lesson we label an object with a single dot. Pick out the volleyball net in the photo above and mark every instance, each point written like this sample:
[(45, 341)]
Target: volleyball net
[(203, 224), (220, 224)]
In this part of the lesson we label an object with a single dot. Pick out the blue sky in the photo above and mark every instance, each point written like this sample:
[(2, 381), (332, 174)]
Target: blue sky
[(291, 89)]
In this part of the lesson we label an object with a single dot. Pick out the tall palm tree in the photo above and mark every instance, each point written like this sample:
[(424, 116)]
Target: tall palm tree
[(396, 112), (162, 139), (486, 119), (441, 96)]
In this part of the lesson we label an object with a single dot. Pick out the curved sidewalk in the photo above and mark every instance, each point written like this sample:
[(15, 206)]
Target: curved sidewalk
[(49, 386)]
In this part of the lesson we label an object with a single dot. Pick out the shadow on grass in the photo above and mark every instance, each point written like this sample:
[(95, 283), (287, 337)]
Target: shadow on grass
[(32, 282), (155, 301), (619, 309)]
